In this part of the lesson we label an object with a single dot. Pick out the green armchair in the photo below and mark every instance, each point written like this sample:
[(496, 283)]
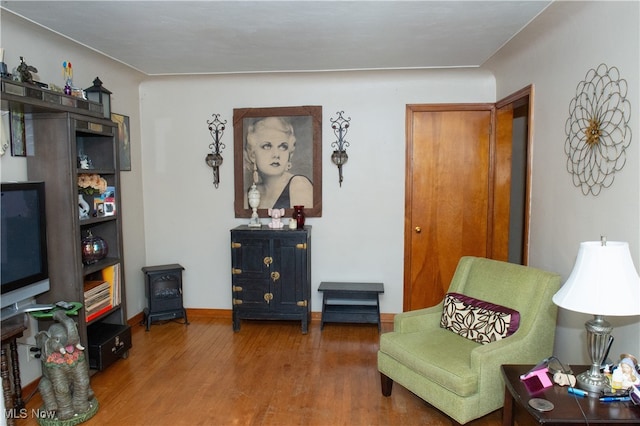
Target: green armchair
[(455, 374)]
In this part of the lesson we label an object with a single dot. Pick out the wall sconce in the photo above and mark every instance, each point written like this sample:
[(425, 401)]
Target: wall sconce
[(214, 159), (340, 127)]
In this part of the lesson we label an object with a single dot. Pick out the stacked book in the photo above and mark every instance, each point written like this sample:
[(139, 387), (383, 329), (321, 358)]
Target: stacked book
[(102, 292), (97, 298), (111, 274)]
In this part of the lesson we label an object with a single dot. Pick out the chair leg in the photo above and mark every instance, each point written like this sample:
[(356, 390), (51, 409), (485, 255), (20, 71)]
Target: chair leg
[(386, 384)]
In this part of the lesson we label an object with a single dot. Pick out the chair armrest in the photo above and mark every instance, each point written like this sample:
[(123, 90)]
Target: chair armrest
[(418, 320), (516, 349)]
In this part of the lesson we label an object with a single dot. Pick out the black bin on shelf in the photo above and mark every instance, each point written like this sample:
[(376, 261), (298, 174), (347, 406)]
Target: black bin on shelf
[(108, 343)]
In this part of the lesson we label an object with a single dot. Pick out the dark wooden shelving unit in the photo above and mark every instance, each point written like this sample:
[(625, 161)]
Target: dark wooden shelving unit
[(60, 128)]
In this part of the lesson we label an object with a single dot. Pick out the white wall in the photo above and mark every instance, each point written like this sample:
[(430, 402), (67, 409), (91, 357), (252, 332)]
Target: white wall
[(554, 53), (360, 234)]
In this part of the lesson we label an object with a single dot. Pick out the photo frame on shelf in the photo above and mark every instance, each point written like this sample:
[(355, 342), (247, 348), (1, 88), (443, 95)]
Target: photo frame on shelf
[(98, 207), (109, 197), (18, 138), (287, 169), (109, 208), (124, 140)]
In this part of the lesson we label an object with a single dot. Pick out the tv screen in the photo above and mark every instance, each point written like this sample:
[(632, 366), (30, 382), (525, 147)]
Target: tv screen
[(23, 247)]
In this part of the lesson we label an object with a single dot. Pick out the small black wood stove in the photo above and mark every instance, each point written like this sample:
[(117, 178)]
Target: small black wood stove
[(164, 293)]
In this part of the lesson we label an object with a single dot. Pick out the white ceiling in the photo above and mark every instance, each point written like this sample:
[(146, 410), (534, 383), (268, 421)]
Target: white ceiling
[(203, 37)]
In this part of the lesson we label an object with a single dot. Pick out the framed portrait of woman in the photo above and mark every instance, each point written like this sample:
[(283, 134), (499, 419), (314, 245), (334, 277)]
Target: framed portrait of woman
[(279, 149)]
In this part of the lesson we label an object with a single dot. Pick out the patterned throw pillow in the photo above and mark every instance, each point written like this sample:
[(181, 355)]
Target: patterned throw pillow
[(478, 320)]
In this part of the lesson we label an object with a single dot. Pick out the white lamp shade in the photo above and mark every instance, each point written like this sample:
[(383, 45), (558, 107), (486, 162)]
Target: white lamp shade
[(603, 281)]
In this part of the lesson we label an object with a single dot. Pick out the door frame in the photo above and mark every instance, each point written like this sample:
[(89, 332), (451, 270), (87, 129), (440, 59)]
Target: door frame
[(523, 97)]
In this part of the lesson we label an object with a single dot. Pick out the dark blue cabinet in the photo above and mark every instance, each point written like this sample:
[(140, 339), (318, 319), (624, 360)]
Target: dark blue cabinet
[(271, 274)]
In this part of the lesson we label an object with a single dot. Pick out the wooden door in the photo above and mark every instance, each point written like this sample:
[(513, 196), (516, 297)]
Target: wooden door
[(448, 195)]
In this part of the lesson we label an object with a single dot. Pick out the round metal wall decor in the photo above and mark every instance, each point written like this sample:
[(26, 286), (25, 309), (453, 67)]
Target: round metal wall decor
[(597, 129)]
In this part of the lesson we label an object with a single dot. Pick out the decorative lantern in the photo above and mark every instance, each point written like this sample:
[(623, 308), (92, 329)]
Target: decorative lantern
[(93, 249), (98, 93)]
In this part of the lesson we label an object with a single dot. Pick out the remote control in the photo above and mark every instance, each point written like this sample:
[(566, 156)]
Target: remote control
[(37, 307), (64, 305)]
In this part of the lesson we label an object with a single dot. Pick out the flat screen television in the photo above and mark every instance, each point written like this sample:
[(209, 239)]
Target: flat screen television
[(23, 248)]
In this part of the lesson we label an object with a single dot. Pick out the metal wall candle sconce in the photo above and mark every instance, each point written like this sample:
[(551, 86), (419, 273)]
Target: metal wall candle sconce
[(214, 159), (340, 128)]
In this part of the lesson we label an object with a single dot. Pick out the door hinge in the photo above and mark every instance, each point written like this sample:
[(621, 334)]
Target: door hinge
[(302, 303), (236, 271), (235, 245), (301, 246), (236, 288), (236, 301)]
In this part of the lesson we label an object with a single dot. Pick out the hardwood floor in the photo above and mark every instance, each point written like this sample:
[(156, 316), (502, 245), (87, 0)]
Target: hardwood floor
[(269, 373)]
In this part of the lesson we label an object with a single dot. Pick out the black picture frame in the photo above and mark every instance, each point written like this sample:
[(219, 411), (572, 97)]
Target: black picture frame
[(124, 140), (18, 136), (5, 131), (305, 159)]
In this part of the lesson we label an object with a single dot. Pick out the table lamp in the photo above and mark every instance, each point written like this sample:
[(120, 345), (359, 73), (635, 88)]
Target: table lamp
[(603, 282)]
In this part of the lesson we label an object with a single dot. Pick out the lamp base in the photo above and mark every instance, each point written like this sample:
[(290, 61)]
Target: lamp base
[(598, 341), (592, 383)]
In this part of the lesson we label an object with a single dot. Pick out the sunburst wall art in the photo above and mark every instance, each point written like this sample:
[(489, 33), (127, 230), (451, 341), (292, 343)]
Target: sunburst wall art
[(597, 129)]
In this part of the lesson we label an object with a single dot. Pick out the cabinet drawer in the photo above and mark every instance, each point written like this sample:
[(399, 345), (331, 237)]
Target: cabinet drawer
[(107, 343)]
